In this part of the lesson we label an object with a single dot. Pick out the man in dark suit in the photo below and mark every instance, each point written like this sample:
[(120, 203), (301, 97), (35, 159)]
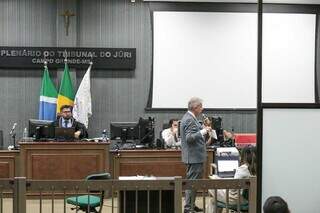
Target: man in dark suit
[(65, 120), (193, 148)]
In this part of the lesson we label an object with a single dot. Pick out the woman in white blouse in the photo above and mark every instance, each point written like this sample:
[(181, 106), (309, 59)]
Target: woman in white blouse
[(246, 169)]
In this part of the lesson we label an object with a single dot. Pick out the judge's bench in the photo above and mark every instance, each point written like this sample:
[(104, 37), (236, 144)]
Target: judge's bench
[(76, 160)]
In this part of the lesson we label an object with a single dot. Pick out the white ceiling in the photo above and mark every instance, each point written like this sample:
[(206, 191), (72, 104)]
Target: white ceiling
[(248, 1)]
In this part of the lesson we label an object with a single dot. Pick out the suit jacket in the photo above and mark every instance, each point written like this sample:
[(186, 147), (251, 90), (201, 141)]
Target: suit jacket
[(193, 145), (77, 126)]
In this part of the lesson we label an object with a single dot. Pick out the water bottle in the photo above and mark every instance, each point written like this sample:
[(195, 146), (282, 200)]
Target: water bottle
[(25, 134), (104, 136)]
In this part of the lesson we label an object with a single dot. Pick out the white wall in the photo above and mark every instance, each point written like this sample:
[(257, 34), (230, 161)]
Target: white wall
[(291, 154)]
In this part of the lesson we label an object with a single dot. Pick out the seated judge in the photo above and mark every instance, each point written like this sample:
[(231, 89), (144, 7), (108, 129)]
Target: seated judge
[(170, 135), (65, 120)]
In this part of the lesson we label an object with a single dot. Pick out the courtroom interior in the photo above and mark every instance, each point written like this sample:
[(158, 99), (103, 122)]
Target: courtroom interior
[(142, 106)]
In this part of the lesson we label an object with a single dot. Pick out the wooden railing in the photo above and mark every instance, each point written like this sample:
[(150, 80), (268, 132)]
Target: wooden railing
[(20, 191)]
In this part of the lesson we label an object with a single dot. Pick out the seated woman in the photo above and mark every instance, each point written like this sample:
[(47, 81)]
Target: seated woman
[(170, 135), (246, 169)]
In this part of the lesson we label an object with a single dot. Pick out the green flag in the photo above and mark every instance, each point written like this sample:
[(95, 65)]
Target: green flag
[(66, 92), (48, 98)]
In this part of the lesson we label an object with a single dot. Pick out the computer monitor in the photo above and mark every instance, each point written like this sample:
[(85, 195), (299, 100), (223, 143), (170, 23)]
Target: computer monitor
[(124, 131), (227, 160), (146, 131), (217, 125), (41, 129)]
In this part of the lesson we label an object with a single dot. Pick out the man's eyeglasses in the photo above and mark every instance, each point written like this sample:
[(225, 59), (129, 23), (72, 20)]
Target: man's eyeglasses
[(66, 111)]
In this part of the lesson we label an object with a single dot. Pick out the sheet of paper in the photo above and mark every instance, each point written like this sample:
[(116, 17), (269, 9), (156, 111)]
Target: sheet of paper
[(227, 165), (138, 177)]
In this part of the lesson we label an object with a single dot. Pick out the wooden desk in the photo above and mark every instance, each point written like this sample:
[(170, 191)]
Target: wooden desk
[(62, 160), (159, 163), (9, 166)]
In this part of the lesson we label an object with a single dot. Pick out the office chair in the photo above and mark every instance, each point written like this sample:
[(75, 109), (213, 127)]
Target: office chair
[(160, 143), (244, 207), (164, 126), (88, 203)]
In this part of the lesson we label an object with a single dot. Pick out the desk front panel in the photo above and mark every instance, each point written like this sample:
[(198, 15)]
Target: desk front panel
[(56, 161), (160, 163), (9, 167)]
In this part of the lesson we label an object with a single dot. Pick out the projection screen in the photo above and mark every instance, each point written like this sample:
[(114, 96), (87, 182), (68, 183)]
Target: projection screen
[(213, 55)]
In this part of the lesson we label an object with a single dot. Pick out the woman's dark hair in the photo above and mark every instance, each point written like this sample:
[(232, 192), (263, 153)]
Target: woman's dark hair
[(172, 120), (248, 156), (275, 204)]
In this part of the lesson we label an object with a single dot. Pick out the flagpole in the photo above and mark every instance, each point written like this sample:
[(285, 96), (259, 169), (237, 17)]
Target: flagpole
[(91, 61), (65, 56)]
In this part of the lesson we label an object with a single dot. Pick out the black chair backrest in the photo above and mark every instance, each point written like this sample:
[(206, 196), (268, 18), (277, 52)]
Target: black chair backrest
[(165, 126), (1, 139), (245, 194), (99, 176)]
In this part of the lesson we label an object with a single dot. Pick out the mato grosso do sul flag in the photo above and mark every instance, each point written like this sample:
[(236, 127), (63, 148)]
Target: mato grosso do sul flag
[(48, 97)]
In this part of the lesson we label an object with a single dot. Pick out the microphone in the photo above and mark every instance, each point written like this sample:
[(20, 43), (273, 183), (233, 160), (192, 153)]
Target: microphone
[(13, 128)]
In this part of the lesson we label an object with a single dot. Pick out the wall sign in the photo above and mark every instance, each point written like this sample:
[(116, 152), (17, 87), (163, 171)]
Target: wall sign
[(33, 57)]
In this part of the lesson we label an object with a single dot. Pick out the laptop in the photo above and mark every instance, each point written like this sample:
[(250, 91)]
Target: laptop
[(64, 134), (227, 167)]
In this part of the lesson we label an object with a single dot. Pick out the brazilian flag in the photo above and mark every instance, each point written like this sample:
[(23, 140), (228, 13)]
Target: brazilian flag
[(66, 92)]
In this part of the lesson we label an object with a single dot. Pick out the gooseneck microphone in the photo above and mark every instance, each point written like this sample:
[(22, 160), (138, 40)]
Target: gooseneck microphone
[(13, 128)]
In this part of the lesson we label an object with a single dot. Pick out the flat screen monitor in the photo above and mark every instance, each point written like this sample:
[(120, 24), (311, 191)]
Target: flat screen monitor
[(146, 131), (124, 131), (41, 129), (217, 125)]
